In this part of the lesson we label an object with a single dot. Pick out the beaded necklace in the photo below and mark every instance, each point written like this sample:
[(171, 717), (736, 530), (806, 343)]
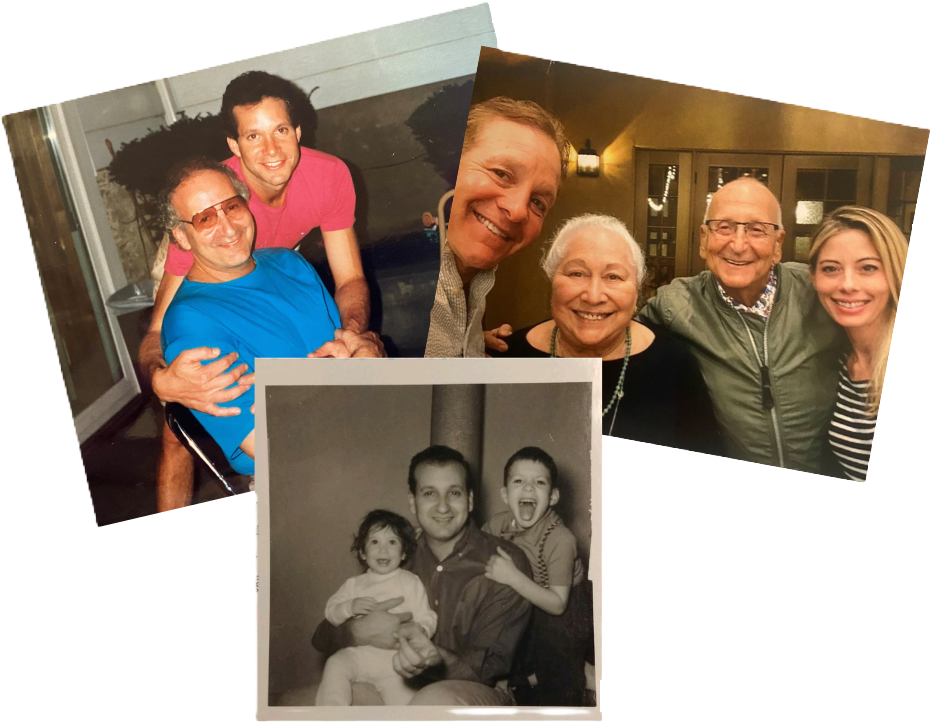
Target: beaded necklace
[(618, 390)]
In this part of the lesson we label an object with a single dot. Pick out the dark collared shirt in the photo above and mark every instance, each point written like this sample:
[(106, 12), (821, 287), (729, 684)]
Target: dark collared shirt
[(479, 620)]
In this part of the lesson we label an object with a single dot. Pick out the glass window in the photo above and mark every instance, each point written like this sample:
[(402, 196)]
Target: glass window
[(87, 353), (662, 205)]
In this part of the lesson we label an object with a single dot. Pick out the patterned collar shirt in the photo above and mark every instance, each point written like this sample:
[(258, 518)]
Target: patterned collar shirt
[(764, 304), (456, 329)]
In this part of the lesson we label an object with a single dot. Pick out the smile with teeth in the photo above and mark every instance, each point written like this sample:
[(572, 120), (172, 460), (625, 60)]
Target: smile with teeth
[(592, 316), (527, 508), (737, 263), (490, 226), (851, 304)]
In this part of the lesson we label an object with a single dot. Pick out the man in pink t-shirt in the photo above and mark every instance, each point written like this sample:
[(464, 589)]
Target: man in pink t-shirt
[(293, 190), (320, 194)]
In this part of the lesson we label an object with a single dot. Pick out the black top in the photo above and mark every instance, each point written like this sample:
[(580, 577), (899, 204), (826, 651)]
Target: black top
[(665, 400)]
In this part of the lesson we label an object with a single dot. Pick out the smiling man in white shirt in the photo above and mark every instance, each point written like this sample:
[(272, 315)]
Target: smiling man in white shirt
[(515, 156)]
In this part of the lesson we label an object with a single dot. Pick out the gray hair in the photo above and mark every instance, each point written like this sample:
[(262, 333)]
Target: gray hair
[(183, 171), (558, 246)]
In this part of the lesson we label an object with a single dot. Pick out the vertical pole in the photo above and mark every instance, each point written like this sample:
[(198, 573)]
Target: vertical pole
[(457, 420)]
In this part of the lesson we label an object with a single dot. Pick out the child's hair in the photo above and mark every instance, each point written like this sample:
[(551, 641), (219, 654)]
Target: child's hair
[(533, 454), (379, 520)]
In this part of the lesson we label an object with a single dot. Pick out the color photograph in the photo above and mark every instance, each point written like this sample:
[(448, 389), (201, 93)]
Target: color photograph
[(737, 270), (342, 150)]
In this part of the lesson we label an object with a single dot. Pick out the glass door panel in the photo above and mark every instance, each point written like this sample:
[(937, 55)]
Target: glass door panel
[(662, 214), (89, 355), (814, 186), (903, 187)]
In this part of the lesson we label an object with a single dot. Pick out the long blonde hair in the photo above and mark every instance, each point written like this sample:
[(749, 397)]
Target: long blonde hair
[(891, 245)]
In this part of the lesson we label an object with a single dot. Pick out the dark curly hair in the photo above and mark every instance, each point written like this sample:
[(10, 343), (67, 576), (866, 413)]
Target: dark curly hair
[(252, 88), (438, 455), (533, 454), (379, 520)]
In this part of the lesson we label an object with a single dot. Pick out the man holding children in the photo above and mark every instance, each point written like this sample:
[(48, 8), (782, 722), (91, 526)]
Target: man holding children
[(478, 582)]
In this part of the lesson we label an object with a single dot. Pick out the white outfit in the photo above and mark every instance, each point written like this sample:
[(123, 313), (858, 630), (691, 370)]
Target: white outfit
[(368, 663)]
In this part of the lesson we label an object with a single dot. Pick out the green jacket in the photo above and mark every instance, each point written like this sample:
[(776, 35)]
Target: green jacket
[(801, 345)]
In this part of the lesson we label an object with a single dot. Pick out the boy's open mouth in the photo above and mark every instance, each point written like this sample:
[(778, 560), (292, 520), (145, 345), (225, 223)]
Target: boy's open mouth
[(527, 508)]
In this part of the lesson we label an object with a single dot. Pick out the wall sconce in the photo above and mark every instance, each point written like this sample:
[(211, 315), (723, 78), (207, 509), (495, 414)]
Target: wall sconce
[(589, 162)]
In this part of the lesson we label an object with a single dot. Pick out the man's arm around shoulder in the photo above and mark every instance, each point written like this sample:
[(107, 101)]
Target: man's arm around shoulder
[(186, 380)]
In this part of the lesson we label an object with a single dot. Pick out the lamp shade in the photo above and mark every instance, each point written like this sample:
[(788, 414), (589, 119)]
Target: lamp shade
[(589, 161)]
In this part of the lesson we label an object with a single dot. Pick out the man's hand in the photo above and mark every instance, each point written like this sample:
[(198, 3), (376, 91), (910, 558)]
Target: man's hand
[(415, 652), (364, 605), (379, 627), (346, 344), (501, 569), (200, 387), (494, 339)]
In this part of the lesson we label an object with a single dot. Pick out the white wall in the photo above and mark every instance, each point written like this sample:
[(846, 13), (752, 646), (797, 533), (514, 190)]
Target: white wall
[(121, 116), (345, 69)]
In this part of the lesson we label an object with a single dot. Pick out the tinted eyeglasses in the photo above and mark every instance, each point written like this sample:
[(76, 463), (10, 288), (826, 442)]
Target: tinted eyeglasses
[(233, 207), (752, 230)]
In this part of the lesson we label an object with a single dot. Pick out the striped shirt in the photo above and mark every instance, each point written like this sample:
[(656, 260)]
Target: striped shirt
[(852, 429)]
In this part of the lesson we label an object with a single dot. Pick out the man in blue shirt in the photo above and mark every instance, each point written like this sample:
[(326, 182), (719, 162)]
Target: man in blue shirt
[(268, 304)]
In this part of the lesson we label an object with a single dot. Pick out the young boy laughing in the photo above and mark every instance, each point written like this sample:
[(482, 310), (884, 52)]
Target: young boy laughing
[(550, 663)]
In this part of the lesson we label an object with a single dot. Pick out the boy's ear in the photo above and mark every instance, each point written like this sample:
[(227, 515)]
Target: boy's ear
[(554, 497), (504, 493)]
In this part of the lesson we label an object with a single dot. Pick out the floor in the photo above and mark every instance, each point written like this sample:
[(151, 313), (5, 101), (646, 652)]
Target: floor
[(121, 465)]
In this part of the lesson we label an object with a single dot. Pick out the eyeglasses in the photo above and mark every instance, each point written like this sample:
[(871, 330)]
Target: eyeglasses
[(234, 207), (753, 230)]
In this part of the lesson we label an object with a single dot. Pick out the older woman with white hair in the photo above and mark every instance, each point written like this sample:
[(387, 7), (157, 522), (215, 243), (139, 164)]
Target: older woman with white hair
[(653, 390)]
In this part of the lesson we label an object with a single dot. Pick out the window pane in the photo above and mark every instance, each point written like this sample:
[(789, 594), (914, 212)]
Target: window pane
[(810, 184), (842, 185), (809, 212)]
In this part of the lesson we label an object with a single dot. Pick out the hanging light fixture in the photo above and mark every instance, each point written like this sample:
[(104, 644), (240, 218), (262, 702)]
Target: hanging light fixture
[(589, 161)]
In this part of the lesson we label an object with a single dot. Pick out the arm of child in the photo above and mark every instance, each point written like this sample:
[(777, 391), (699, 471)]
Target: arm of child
[(553, 600), (340, 606), (416, 600)]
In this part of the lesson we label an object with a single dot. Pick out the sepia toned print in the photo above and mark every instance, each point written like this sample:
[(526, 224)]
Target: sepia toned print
[(483, 485)]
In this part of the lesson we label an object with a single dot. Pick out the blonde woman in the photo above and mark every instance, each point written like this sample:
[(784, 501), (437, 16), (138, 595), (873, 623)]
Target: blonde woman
[(857, 259)]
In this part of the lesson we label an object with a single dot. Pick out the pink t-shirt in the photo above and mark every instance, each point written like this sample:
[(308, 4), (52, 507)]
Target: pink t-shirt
[(320, 194)]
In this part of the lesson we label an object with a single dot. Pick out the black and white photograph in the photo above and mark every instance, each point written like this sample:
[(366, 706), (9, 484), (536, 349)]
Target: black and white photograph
[(426, 538)]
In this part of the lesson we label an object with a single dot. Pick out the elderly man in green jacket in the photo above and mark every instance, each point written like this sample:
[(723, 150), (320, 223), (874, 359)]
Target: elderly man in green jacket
[(768, 351)]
